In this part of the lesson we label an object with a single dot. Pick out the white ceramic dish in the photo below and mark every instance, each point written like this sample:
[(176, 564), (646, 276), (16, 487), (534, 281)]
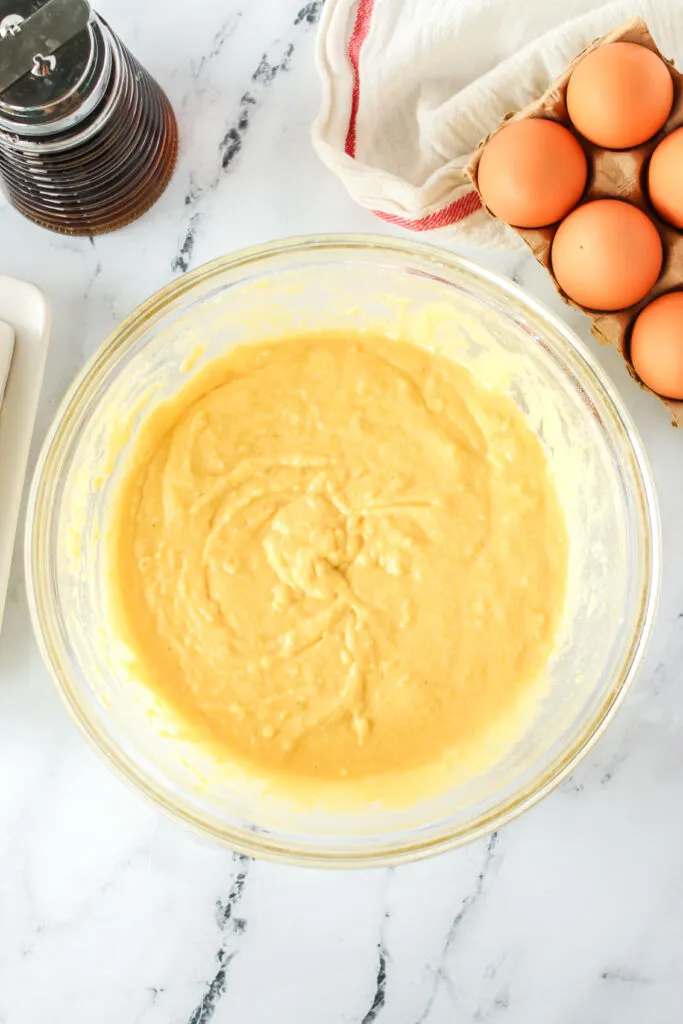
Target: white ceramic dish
[(24, 309)]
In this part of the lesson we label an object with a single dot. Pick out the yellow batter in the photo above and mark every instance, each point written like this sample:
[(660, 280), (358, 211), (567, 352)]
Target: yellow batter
[(338, 557)]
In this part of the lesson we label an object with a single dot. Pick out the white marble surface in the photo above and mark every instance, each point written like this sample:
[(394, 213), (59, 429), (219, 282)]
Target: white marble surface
[(111, 914)]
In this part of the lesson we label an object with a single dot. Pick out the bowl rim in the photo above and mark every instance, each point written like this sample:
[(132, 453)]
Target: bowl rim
[(255, 842)]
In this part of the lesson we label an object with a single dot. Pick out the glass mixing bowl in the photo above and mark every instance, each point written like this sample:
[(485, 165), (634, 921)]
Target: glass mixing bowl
[(396, 287)]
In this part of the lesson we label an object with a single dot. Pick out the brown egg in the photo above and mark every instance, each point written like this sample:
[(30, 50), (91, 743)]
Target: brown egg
[(532, 173), (657, 345), (665, 179), (620, 95), (606, 255)]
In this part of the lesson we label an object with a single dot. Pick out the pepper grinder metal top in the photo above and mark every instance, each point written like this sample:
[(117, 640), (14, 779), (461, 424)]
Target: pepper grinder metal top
[(88, 140)]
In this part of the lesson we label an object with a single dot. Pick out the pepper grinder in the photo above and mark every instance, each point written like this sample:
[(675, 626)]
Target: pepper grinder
[(88, 140)]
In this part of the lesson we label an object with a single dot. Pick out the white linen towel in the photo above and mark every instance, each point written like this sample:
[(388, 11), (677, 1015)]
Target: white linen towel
[(410, 87)]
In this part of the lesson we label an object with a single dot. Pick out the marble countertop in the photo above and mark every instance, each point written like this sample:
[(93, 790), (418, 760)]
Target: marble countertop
[(109, 913)]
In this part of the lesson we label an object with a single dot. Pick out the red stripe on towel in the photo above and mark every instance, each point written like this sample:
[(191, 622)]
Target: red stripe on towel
[(451, 214), (456, 211), (358, 37)]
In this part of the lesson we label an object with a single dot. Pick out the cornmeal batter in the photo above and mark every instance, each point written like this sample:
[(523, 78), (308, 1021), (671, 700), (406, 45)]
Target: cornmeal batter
[(338, 557)]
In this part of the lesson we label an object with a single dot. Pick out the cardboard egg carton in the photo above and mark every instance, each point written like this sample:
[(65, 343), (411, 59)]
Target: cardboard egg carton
[(612, 174)]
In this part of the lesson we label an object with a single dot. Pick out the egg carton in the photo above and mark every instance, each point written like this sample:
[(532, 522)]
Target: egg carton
[(612, 174)]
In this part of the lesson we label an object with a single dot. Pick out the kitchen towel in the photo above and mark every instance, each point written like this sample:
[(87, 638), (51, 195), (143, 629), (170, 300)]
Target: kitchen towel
[(410, 88)]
